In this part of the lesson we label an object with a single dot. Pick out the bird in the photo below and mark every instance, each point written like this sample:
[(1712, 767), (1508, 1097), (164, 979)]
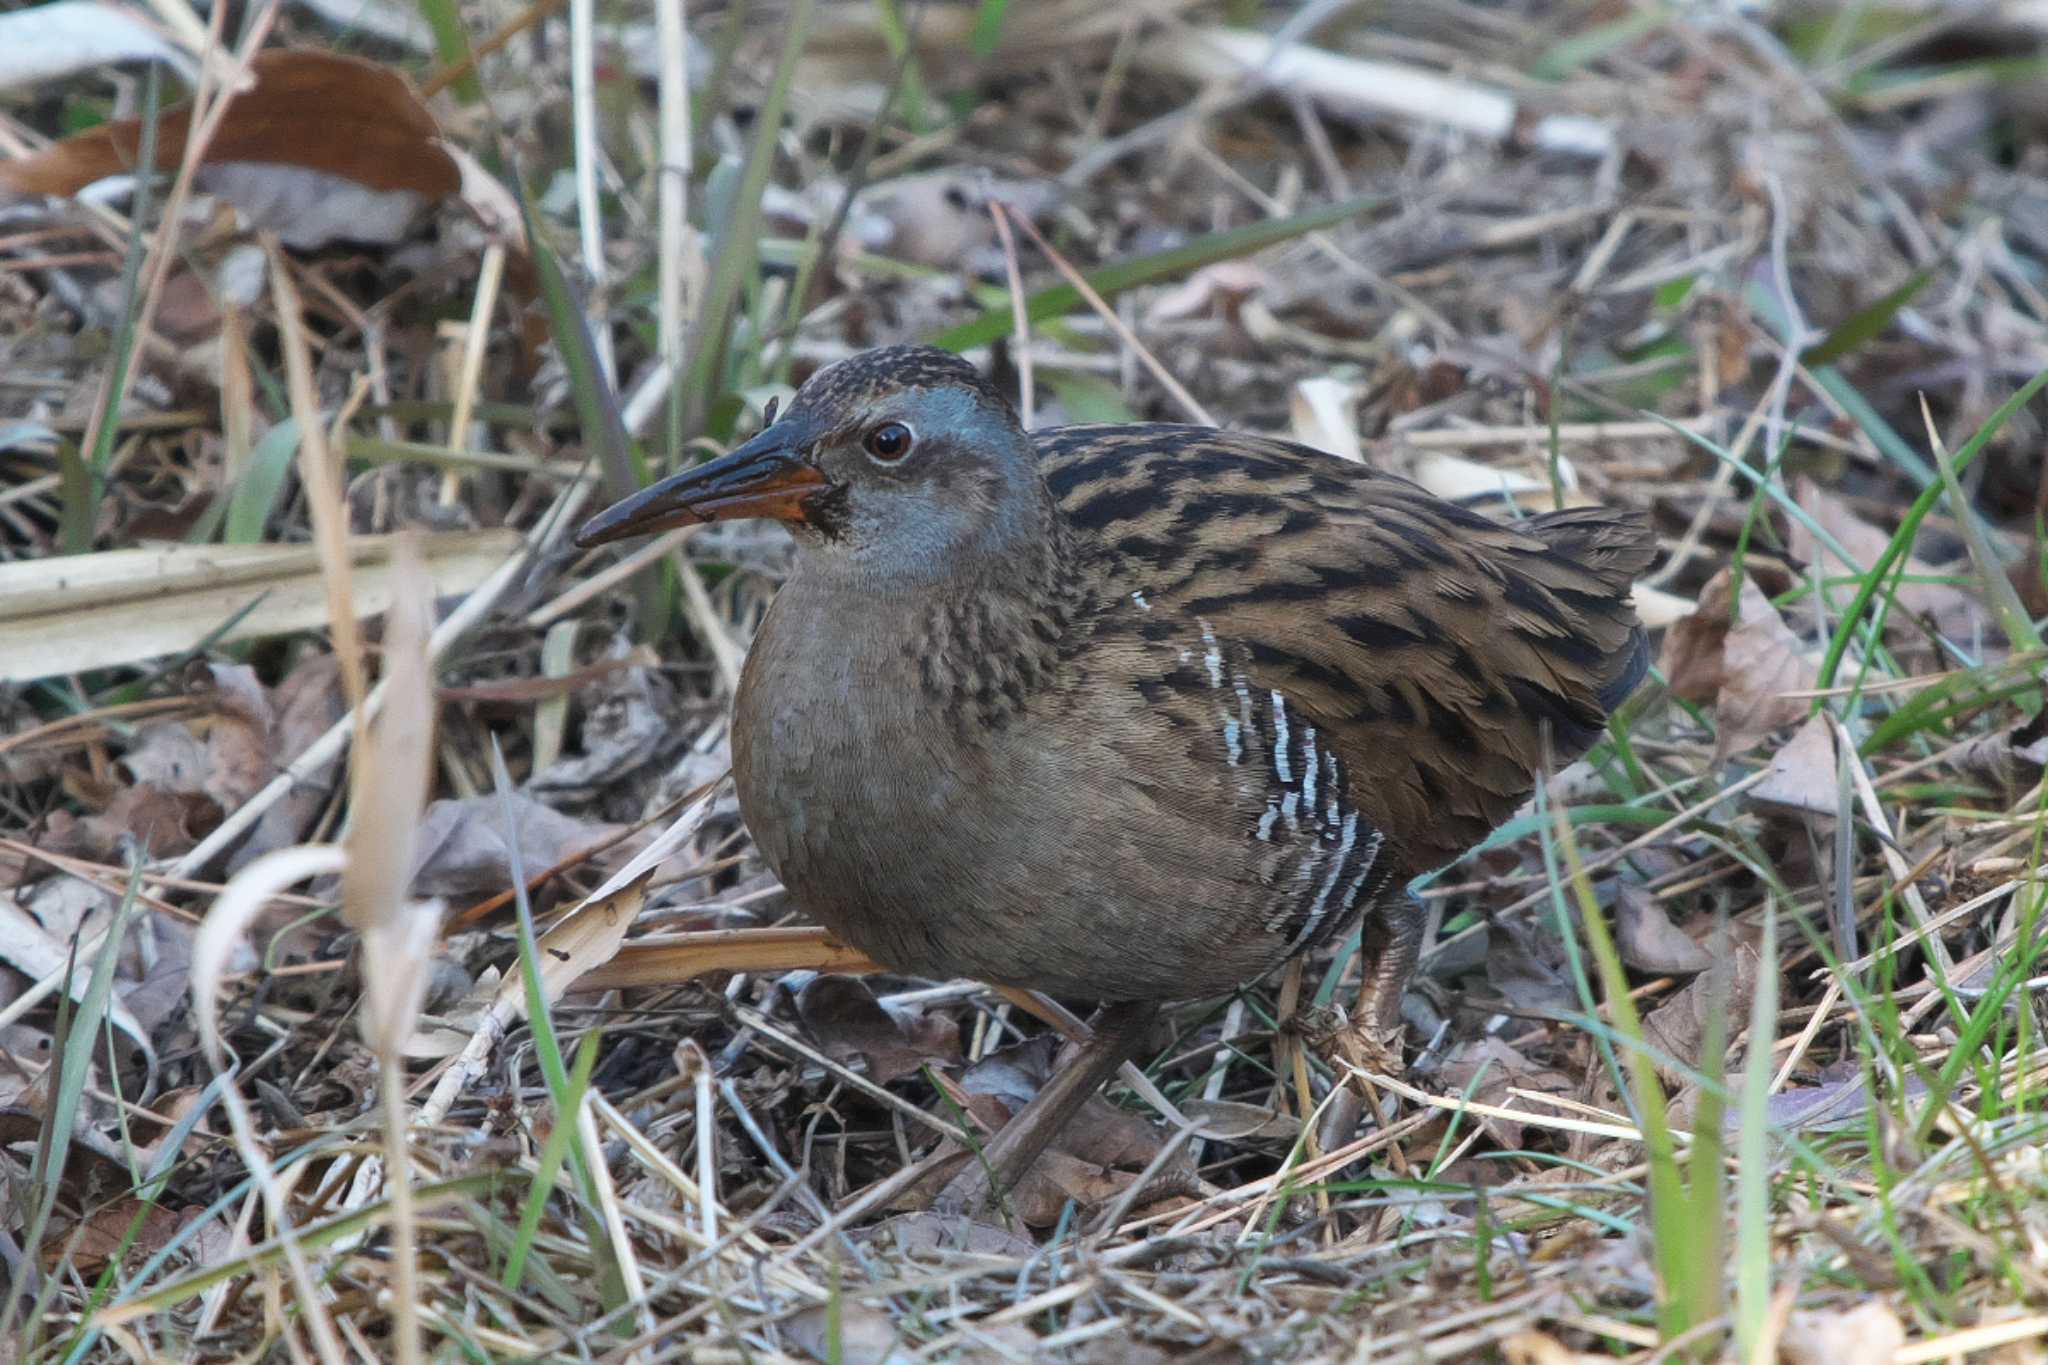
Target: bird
[(1133, 713)]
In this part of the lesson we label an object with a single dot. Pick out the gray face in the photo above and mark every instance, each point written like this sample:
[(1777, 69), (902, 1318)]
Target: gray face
[(895, 466), (922, 479)]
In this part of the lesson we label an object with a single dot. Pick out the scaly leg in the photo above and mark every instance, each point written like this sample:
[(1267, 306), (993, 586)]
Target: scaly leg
[(997, 1168), (1391, 947)]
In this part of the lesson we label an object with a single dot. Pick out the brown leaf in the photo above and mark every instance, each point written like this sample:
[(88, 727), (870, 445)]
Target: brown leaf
[(1518, 968), (587, 936), (863, 1335), (239, 762), (1717, 998), (1484, 1069), (343, 115), (1649, 941), (1742, 664), (322, 147), (847, 1021), (306, 704), (1235, 1121), (1095, 1156), (89, 1244), (1109, 1136), (1012, 1074), (1057, 1178), (165, 823), (1531, 1347), (938, 1234)]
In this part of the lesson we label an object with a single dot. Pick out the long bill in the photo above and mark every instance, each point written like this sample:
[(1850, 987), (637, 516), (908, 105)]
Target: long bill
[(760, 479)]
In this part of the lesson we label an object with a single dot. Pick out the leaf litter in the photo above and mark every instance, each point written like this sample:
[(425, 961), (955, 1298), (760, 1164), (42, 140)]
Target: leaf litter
[(1518, 320)]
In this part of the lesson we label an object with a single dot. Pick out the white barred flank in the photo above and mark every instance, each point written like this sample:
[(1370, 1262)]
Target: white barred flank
[(1325, 853)]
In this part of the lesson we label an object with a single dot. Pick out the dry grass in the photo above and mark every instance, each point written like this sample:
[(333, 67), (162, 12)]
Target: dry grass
[(1781, 281)]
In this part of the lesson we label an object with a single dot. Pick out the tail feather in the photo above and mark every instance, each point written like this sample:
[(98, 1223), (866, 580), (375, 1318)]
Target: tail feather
[(1612, 544), (1613, 547)]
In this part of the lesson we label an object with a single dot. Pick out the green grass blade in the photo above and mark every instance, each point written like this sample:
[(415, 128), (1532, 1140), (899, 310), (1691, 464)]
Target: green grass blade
[(1568, 55), (257, 492), (1688, 1265), (1866, 322), (1111, 280), (1998, 590), (1909, 527), (1752, 1182), (547, 1047), (736, 253), (451, 46), (551, 1158), (78, 523)]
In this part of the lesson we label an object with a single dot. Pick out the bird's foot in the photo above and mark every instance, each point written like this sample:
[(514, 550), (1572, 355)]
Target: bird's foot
[(981, 1187), (1357, 1043)]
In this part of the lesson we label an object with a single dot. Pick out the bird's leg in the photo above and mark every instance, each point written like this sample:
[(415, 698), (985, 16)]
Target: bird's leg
[(1391, 946), (996, 1169)]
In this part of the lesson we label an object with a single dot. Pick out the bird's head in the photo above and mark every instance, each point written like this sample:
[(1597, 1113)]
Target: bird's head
[(896, 462)]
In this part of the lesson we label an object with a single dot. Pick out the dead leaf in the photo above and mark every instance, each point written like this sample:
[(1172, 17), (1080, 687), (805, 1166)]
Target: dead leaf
[(1518, 967), (585, 938), (1455, 478), (1227, 283), (1531, 1347), (239, 762), (1094, 1158), (42, 43), (164, 823), (862, 1335), (1004, 1080), (1233, 1121), (1484, 1069), (1323, 412), (2011, 759), (185, 775), (306, 705), (463, 850), (91, 1243), (847, 1021), (1802, 774), (1717, 999), (629, 725), (37, 938), (1649, 941), (322, 148), (1058, 1178), (1833, 1105), (1744, 664), (1868, 1334), (937, 1234)]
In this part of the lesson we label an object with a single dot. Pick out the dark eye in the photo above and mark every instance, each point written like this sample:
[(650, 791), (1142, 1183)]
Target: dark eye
[(890, 441)]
